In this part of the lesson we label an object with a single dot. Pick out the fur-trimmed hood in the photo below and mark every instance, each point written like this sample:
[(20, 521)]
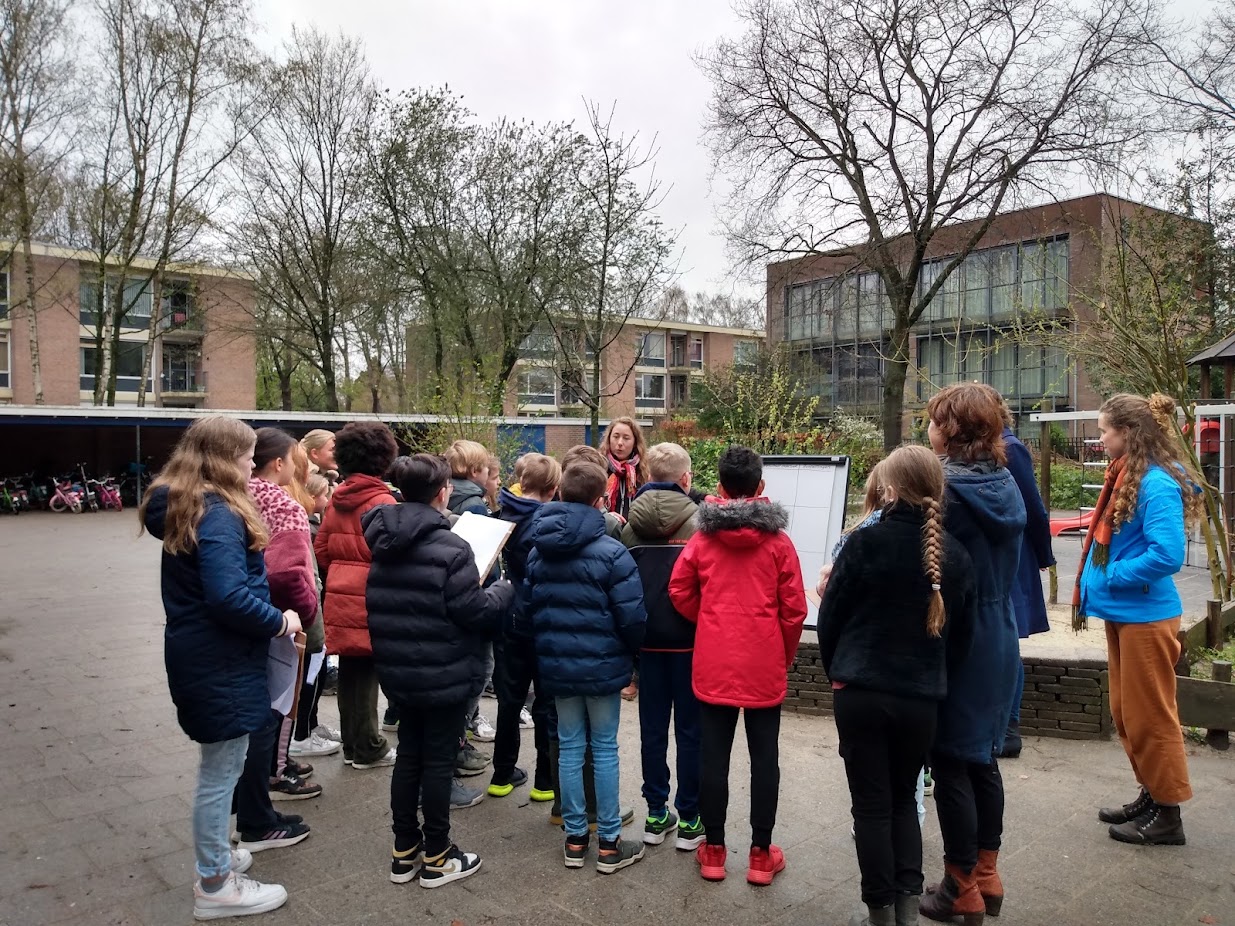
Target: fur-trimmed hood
[(741, 521)]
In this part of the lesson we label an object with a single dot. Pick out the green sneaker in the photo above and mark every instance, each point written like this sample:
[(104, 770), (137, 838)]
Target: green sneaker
[(656, 828), (690, 834)]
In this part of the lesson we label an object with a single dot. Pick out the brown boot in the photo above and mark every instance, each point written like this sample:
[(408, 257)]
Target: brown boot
[(989, 884), (958, 895)]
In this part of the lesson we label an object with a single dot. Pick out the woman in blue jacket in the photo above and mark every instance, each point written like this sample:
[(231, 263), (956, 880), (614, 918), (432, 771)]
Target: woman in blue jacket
[(219, 625), (982, 509), (1135, 546)]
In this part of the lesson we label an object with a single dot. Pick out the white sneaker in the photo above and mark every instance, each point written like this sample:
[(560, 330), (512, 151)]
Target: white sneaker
[(315, 745), (482, 730), (242, 860), (525, 719), (328, 733), (379, 762), (240, 895)]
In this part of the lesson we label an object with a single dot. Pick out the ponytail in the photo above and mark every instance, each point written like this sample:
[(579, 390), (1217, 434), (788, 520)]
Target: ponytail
[(932, 559)]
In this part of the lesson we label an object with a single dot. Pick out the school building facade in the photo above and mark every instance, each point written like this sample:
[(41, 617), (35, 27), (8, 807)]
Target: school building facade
[(648, 371), (203, 355), (1040, 263)]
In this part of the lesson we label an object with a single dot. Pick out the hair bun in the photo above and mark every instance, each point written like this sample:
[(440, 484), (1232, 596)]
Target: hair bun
[(1161, 404)]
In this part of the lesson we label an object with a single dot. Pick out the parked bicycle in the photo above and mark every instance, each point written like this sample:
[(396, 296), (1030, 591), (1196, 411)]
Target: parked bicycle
[(108, 493), (63, 497), (13, 499)]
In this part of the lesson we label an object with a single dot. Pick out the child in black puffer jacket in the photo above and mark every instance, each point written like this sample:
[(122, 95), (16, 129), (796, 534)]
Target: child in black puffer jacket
[(429, 622)]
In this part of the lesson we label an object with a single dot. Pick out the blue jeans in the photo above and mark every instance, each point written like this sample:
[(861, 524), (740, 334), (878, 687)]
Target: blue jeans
[(217, 775), (664, 689), (574, 716)]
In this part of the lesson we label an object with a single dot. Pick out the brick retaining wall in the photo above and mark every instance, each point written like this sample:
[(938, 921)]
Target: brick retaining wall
[(1067, 699)]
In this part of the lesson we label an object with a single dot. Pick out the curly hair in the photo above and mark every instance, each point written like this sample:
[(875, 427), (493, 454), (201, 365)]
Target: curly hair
[(917, 477), (1152, 436), (365, 448), (970, 421)]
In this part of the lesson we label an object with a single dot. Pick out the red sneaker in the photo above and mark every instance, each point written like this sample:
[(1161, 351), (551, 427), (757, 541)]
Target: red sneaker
[(765, 864), (711, 862)]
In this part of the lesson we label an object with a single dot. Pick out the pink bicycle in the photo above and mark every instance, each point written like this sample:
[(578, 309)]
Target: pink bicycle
[(64, 497), (108, 493)]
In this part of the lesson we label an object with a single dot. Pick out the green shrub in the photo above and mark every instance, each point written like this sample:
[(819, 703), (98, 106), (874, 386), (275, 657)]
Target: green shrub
[(1066, 491)]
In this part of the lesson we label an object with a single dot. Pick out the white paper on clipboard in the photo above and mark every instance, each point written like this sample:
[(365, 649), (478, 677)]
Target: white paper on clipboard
[(315, 665), (282, 667), (486, 537)]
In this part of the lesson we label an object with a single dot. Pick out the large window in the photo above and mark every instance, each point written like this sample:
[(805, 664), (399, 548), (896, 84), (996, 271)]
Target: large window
[(745, 353), (182, 368), (177, 309), (5, 360), (858, 374), (537, 386), (650, 349), (649, 390), (1017, 371), (679, 389), (538, 345), (130, 364), (4, 294), (696, 352), (133, 310)]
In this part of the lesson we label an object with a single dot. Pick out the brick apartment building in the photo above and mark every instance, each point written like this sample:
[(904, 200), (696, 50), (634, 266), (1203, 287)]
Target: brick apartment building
[(831, 312), (647, 372), (203, 357)]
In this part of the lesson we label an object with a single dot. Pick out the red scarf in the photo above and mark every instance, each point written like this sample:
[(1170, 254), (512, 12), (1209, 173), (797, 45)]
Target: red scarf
[(622, 483), (1098, 537)]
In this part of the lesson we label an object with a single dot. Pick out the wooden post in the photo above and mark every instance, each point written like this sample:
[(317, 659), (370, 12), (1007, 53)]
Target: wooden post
[(1228, 369), (1206, 388), (1219, 739), (1213, 623)]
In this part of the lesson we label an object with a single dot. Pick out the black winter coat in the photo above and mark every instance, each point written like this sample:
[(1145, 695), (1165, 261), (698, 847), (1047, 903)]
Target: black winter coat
[(872, 621), (586, 602), (521, 512), (219, 625), (429, 619)]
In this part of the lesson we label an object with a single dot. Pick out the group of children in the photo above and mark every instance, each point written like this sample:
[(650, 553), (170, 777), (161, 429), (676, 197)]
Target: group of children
[(259, 543)]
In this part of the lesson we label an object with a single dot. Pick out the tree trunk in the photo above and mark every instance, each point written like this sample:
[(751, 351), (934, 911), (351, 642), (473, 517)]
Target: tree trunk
[(32, 315), (285, 389), (595, 399), (896, 371), (152, 330)]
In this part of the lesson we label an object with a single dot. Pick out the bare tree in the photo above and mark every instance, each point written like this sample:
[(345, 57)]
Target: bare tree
[(625, 260), (870, 125), (301, 184), (36, 99)]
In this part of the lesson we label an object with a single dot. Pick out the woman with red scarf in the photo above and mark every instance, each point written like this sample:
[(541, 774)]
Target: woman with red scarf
[(624, 449)]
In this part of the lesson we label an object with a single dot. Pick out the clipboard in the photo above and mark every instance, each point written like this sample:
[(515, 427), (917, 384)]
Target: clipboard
[(486, 536), (284, 672)]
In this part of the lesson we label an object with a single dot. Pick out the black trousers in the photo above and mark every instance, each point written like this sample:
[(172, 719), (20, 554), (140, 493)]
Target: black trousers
[(306, 709), (969, 801), (358, 710), (514, 673), (884, 739), (254, 812), (718, 726), (424, 767)]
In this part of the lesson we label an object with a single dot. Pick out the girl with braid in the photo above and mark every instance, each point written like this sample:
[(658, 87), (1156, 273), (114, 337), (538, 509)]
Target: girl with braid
[(896, 615), (1127, 563)]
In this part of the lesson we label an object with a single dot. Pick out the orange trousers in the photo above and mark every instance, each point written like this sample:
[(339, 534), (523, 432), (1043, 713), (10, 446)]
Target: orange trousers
[(1142, 658)]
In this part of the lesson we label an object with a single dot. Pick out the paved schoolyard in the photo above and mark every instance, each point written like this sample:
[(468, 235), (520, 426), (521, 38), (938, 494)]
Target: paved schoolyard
[(96, 781)]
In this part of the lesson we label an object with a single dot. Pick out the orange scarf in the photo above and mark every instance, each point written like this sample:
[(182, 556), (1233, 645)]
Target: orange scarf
[(1101, 530)]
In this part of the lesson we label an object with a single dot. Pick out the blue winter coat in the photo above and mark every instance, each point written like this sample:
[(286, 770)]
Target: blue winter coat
[(586, 603), (219, 625), (1136, 586), (984, 511), (1036, 553)]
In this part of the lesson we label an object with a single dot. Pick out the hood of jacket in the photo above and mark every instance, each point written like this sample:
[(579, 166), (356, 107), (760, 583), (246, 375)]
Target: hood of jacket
[(741, 522), (565, 528), (660, 510), (358, 490), (392, 530), (465, 490), (517, 509), (279, 510), (156, 511), (990, 495)]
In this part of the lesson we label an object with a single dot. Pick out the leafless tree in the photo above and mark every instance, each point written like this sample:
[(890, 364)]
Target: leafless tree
[(870, 125), (36, 100), (300, 179)]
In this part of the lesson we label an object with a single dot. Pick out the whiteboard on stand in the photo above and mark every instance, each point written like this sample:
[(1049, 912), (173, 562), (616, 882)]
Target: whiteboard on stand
[(814, 490)]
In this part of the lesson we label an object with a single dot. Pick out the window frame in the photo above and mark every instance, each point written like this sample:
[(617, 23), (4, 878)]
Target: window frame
[(642, 400)]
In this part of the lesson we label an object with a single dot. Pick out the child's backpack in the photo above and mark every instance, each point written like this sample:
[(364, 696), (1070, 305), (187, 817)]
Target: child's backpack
[(666, 628)]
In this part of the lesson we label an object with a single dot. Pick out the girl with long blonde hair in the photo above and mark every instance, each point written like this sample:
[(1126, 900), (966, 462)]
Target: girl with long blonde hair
[(897, 611), (219, 625), (1134, 547)]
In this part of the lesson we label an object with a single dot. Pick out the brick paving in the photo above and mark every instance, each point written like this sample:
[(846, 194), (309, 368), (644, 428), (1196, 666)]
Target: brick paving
[(97, 780)]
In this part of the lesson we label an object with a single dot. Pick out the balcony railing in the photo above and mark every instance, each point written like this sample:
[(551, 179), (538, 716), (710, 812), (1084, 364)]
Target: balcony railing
[(183, 381), (182, 320)]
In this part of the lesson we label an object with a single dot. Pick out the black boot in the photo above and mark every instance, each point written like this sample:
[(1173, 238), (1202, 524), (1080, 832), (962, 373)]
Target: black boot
[(875, 916), (1127, 812), (1157, 826), (907, 909)]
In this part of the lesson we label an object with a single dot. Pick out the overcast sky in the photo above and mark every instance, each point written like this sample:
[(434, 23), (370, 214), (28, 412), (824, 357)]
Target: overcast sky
[(537, 59)]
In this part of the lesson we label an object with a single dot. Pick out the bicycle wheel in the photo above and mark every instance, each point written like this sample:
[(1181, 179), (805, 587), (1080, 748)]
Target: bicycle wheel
[(57, 504)]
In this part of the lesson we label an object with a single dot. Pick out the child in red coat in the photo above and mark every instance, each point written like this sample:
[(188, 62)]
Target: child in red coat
[(739, 579)]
